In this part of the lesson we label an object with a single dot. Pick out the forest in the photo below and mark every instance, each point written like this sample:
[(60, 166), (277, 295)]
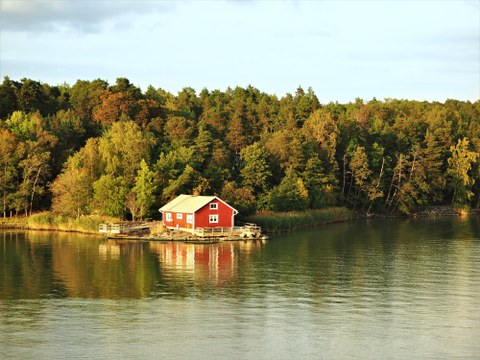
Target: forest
[(99, 149)]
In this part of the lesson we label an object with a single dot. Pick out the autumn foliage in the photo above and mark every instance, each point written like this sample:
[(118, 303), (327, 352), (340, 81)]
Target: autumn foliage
[(95, 148)]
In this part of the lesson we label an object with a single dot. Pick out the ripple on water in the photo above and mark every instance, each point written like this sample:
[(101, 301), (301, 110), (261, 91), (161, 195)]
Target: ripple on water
[(377, 290)]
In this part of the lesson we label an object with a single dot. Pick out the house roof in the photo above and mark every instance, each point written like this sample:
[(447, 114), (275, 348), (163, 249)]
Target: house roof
[(190, 203)]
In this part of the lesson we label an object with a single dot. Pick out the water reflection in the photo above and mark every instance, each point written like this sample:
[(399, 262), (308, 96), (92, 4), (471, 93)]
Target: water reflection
[(212, 262), (46, 265), (385, 289), (109, 251), (337, 264)]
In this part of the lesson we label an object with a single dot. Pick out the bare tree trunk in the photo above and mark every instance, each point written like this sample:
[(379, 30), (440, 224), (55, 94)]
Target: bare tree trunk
[(454, 196), (5, 193), (381, 173), (33, 190), (397, 187), (378, 184), (390, 190), (412, 169), (390, 195), (349, 187), (344, 173)]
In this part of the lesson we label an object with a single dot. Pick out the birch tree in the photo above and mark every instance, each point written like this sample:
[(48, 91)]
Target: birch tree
[(144, 189), (459, 166)]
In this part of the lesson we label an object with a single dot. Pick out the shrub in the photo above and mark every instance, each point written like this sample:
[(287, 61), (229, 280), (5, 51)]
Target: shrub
[(294, 220)]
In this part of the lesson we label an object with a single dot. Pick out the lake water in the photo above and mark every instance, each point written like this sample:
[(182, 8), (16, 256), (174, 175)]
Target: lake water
[(378, 289)]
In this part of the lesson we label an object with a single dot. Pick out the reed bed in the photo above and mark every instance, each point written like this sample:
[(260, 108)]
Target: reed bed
[(294, 220), (49, 221)]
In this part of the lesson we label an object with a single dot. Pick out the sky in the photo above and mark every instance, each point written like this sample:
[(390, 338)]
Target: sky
[(416, 50)]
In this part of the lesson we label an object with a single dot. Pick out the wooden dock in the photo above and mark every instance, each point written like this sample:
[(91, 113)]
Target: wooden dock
[(122, 228), (246, 231), (137, 231)]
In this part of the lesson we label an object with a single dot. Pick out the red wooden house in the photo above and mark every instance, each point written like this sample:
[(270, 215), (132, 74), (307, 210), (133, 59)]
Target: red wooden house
[(190, 212)]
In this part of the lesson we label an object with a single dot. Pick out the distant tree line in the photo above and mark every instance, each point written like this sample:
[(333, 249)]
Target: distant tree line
[(95, 148)]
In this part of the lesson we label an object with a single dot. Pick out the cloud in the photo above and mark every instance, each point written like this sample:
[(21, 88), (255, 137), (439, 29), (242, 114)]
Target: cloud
[(79, 15)]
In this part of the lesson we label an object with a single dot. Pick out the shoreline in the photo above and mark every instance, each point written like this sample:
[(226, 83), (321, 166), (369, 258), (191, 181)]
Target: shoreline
[(46, 221), (270, 222), (284, 222)]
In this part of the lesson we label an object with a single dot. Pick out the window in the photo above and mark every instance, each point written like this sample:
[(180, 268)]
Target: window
[(213, 206), (168, 217), (213, 219), (179, 216), (189, 219)]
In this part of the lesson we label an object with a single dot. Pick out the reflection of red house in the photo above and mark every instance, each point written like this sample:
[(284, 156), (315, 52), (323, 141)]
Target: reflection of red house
[(210, 261), (193, 212)]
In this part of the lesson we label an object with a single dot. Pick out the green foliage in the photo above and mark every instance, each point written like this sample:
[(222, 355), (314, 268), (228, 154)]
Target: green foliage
[(25, 126), (294, 220), (144, 189), (255, 171), (94, 145), (122, 149), (8, 99), (290, 195), (171, 164), (32, 96), (318, 183), (50, 221), (459, 166), (180, 131), (365, 190), (188, 182), (71, 192), (85, 96), (9, 158), (110, 194), (241, 198)]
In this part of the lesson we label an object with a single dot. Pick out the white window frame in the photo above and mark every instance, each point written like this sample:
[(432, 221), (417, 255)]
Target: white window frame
[(168, 216), (213, 206), (179, 216), (189, 219), (213, 219)]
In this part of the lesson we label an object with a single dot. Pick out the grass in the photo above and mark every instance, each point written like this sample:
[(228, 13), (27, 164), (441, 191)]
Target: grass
[(269, 221), (295, 220), (13, 222), (49, 221)]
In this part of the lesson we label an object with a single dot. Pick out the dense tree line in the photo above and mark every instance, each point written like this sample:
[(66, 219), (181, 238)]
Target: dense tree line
[(115, 150)]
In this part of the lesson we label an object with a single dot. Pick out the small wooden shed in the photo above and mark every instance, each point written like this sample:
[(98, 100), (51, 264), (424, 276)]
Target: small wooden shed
[(190, 212)]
